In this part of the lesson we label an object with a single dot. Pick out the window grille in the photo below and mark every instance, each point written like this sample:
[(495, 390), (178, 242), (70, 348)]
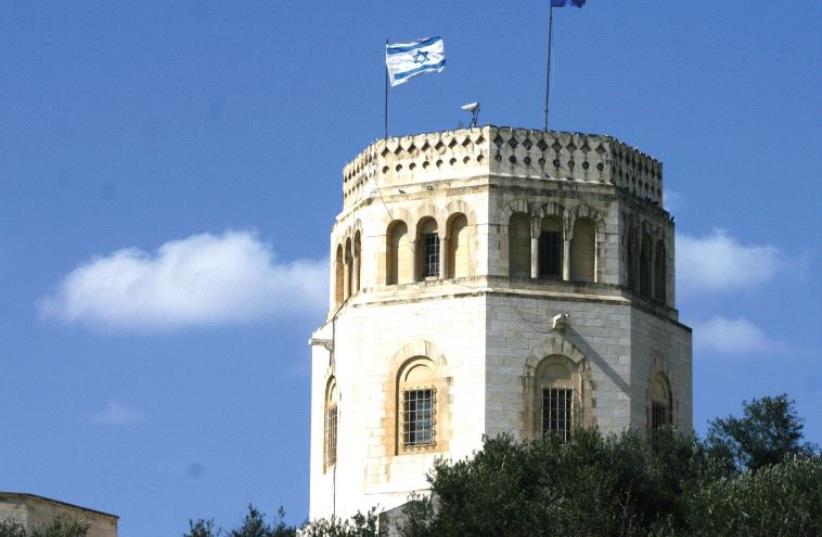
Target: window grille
[(431, 255), (418, 417), (331, 436), (550, 254), (660, 417), (556, 412)]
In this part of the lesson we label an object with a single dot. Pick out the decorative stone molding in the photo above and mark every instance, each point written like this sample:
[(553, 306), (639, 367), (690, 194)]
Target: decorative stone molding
[(554, 344), (417, 348), (506, 151)]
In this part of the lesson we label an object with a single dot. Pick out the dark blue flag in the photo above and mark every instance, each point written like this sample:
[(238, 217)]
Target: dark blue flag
[(563, 3)]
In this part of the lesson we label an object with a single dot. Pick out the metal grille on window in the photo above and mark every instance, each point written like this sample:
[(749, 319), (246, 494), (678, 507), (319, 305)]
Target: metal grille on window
[(660, 417), (331, 436), (418, 417), (431, 259), (556, 412), (550, 254)]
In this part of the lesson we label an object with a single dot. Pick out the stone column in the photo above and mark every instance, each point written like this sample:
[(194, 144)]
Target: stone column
[(444, 257), (346, 277), (536, 230), (566, 259), (355, 284)]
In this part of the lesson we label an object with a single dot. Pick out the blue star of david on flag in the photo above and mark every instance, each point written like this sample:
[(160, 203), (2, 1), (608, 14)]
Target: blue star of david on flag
[(420, 57), (404, 61)]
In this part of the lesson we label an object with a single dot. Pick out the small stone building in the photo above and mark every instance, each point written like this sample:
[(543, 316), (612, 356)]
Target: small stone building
[(485, 281), (33, 511)]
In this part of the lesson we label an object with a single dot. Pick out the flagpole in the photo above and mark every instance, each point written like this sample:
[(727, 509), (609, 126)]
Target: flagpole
[(548, 69), (386, 94)]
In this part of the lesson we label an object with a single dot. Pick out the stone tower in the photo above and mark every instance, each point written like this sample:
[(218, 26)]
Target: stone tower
[(483, 281)]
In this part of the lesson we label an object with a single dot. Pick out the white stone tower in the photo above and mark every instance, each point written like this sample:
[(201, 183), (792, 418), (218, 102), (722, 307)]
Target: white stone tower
[(483, 281)]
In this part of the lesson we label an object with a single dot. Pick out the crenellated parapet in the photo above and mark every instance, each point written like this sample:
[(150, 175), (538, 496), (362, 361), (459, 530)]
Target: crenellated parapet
[(502, 151)]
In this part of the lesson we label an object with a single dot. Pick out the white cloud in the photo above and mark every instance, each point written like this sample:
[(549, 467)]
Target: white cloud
[(117, 413), (733, 336), (200, 280), (674, 201), (718, 262)]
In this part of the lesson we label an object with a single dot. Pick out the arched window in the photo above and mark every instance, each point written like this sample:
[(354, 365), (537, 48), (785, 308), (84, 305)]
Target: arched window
[(355, 286), (557, 396), (550, 248), (428, 249), (519, 246), (330, 425), (661, 273), (582, 251), (632, 260), (399, 261), (645, 267), (660, 402), (458, 256), (339, 277), (416, 406)]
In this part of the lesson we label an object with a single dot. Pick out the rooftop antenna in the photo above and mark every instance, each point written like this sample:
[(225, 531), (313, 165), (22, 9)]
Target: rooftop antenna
[(474, 108)]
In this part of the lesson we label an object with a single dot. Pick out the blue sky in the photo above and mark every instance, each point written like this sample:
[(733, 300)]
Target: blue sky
[(157, 140)]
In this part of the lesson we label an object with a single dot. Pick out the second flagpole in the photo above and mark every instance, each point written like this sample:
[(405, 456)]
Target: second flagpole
[(386, 93), (548, 68)]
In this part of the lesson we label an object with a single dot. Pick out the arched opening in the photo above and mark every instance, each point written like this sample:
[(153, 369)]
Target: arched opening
[(661, 273), (330, 423), (550, 248), (557, 396), (458, 255), (632, 260), (339, 277), (357, 263), (399, 261), (583, 251), (428, 249), (519, 246), (416, 405), (645, 267), (660, 402)]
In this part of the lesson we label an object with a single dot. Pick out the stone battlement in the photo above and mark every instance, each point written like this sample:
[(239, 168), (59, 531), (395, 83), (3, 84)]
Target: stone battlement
[(504, 151)]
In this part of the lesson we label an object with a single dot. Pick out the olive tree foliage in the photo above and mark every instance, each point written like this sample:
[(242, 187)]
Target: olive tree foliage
[(59, 527), (627, 485), (360, 525), (780, 500), (254, 524), (660, 485), (769, 432)]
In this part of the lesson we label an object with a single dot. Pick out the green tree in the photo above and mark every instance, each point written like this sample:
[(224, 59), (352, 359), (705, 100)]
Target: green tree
[(254, 525), (201, 528), (627, 485), (361, 525), (10, 528), (779, 500), (59, 527), (769, 432)]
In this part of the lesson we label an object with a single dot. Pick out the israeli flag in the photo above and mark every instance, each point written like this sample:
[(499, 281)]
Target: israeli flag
[(563, 3), (407, 60)]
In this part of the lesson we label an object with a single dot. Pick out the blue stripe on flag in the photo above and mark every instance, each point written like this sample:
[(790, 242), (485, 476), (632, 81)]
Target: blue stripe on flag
[(563, 3), (395, 49), (412, 72)]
